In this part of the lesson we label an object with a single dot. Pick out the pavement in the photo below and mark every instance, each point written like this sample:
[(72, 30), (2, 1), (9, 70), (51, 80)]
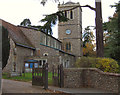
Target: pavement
[(81, 91), (11, 86)]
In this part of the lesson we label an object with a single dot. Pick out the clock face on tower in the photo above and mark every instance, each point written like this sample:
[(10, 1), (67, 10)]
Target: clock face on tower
[(68, 31)]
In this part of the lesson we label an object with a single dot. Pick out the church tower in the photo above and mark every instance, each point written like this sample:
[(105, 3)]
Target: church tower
[(70, 32)]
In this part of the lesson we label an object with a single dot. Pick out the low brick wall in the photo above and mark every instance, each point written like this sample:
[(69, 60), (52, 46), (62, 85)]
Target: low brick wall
[(91, 77)]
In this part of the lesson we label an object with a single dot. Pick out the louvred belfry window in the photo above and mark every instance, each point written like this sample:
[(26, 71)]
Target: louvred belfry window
[(65, 13), (71, 14)]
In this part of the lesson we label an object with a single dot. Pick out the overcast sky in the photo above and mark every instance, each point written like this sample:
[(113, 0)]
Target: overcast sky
[(14, 11)]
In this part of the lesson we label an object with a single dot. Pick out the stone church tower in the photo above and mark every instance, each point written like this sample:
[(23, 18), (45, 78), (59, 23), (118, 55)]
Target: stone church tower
[(70, 32)]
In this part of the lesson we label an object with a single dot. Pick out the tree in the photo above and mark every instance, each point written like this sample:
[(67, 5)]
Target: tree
[(112, 48), (88, 39), (26, 22), (50, 21), (5, 47), (88, 50), (88, 36), (99, 30)]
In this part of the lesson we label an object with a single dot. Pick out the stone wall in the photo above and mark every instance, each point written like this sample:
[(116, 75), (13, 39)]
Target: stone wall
[(37, 37), (75, 26), (21, 53), (91, 77), (54, 57), (8, 67), (17, 55)]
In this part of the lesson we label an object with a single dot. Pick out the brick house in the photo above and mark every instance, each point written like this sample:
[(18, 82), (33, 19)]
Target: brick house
[(29, 43)]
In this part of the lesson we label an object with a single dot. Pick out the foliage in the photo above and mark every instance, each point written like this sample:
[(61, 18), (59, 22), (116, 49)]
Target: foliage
[(51, 20), (85, 62), (112, 46), (107, 65), (88, 50), (88, 36), (104, 64), (43, 2), (5, 47), (26, 22)]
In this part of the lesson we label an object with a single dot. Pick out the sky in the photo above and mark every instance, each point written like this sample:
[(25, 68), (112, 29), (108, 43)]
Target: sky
[(15, 11)]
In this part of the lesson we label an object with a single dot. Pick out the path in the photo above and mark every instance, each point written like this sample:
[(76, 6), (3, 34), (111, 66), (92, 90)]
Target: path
[(82, 91), (11, 86)]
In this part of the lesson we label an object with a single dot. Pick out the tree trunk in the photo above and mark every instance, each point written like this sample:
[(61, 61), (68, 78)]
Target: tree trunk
[(99, 30)]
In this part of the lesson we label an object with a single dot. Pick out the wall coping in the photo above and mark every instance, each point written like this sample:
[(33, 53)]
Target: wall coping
[(95, 69)]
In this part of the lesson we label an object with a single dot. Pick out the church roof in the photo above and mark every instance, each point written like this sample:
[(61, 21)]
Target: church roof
[(17, 35)]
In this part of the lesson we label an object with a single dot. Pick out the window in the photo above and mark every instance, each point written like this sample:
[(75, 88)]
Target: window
[(71, 14), (15, 51), (14, 67), (45, 54), (38, 51), (31, 53), (48, 41), (55, 44), (68, 46), (45, 42), (65, 13), (43, 39), (42, 61)]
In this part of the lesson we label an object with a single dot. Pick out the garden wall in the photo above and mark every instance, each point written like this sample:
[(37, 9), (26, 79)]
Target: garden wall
[(91, 77)]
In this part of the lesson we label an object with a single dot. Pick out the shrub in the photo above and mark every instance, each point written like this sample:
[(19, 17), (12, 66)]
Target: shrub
[(85, 62), (104, 64), (107, 65)]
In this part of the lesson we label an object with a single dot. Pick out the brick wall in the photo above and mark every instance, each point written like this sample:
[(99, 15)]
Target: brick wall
[(91, 77)]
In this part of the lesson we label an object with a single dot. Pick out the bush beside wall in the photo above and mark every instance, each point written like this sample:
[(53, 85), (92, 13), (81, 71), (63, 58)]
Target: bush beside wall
[(104, 64)]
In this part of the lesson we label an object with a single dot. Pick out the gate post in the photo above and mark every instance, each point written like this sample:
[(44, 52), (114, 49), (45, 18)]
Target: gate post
[(46, 76), (61, 76)]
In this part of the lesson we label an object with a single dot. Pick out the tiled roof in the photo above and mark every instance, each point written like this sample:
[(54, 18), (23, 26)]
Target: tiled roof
[(38, 31), (17, 35)]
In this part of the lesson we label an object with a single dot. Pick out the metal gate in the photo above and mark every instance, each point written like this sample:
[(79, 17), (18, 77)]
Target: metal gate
[(57, 76), (40, 76)]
